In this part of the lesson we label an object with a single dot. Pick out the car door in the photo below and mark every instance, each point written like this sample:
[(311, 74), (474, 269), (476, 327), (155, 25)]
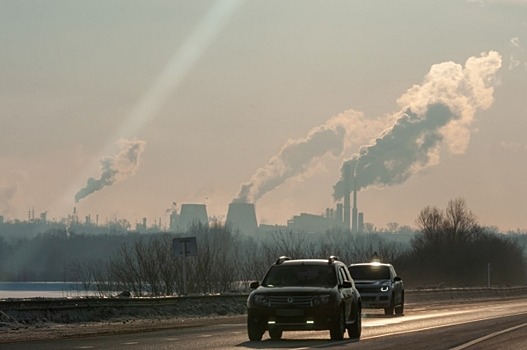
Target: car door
[(397, 286), (347, 293)]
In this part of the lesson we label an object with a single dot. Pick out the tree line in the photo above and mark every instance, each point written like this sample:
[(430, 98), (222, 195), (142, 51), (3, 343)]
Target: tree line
[(450, 249)]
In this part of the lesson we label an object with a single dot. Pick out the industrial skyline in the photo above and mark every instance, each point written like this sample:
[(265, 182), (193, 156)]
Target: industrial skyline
[(240, 217), (122, 108)]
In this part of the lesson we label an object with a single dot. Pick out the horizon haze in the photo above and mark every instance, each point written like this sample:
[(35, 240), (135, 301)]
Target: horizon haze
[(128, 109)]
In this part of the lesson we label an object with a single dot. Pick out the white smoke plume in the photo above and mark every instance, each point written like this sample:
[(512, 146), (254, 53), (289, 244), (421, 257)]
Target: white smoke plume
[(439, 111), (340, 133), (7, 193), (295, 158), (516, 58), (116, 168), (172, 209)]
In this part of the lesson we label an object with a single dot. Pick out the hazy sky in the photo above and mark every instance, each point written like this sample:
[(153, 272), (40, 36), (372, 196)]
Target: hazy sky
[(120, 108)]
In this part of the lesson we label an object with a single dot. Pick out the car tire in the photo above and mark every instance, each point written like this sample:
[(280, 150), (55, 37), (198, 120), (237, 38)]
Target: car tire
[(388, 311), (355, 330), (254, 330), (336, 332), (399, 310), (275, 334)]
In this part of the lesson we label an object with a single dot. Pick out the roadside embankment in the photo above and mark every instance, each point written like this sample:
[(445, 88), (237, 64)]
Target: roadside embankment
[(24, 319)]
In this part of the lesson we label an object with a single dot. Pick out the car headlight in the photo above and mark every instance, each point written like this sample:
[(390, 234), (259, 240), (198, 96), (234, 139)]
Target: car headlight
[(261, 300), (385, 286), (321, 299)]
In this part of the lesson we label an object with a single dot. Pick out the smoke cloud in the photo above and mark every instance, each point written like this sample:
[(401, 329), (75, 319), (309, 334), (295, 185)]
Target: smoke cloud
[(516, 56), (296, 158), (116, 168), (7, 193), (437, 112)]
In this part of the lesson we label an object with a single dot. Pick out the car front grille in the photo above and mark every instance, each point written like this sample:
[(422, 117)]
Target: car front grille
[(291, 301), (369, 289)]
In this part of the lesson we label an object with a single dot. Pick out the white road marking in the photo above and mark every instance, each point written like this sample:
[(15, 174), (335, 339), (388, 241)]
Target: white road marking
[(440, 326), (492, 335), (384, 322)]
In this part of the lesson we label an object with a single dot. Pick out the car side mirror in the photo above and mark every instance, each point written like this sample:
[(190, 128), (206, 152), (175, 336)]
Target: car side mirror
[(254, 284), (346, 284), (397, 279)]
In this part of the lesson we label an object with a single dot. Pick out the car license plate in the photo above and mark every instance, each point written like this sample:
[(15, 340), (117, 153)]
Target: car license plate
[(289, 312)]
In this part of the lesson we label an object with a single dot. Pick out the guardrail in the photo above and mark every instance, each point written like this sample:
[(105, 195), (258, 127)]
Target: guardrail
[(68, 310), (94, 302)]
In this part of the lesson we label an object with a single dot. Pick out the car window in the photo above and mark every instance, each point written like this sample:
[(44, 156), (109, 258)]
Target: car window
[(300, 275), (343, 276), (370, 272)]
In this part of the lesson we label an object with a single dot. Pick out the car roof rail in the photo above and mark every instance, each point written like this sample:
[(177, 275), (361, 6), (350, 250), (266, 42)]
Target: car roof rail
[(282, 259), (332, 258)]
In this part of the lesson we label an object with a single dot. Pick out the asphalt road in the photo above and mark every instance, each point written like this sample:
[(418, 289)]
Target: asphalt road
[(482, 325)]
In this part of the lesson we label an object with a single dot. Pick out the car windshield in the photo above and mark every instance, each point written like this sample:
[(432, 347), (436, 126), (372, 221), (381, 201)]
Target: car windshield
[(300, 275), (370, 272)]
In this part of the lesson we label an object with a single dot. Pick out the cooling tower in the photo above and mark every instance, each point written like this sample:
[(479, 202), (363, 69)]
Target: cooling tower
[(242, 217), (192, 214)]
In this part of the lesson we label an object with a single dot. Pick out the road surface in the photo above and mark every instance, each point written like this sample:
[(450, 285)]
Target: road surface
[(500, 324)]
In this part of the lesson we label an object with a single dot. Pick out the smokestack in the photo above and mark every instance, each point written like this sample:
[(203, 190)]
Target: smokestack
[(338, 217), (242, 217), (354, 214), (347, 205), (361, 223)]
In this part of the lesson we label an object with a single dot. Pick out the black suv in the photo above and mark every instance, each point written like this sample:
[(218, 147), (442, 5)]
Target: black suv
[(379, 286), (304, 294)]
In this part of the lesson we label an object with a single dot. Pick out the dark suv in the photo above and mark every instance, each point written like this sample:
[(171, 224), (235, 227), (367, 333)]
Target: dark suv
[(379, 286), (304, 294)]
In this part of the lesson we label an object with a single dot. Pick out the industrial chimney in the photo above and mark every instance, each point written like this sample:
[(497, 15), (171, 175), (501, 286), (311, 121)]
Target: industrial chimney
[(242, 217), (354, 213), (347, 189)]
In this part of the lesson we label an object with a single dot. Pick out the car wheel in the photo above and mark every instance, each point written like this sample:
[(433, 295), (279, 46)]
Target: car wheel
[(338, 327), (275, 334), (254, 330), (354, 331), (399, 310), (388, 311)]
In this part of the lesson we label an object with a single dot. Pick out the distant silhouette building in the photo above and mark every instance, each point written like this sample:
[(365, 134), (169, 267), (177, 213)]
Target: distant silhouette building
[(310, 223)]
